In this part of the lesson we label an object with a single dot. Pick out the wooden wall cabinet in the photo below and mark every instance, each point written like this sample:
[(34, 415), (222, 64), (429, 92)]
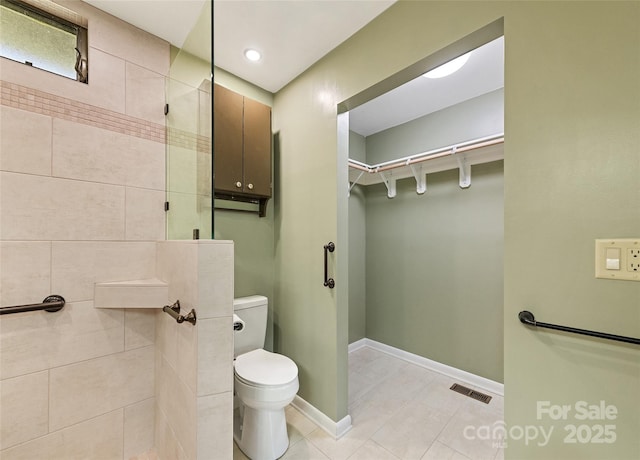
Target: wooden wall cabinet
[(241, 148)]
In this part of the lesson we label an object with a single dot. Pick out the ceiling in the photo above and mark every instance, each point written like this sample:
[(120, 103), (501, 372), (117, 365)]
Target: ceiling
[(294, 34), (482, 73), (291, 35)]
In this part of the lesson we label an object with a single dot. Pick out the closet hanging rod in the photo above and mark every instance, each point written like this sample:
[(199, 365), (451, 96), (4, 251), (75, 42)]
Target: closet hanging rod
[(429, 155)]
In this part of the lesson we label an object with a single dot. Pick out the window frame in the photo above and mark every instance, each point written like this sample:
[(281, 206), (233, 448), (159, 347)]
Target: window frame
[(53, 20)]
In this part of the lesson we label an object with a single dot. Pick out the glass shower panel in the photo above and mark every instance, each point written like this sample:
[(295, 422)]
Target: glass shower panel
[(189, 160), (188, 123)]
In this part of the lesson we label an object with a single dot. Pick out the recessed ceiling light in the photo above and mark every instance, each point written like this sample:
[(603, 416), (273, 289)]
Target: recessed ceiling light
[(252, 55), (448, 67)]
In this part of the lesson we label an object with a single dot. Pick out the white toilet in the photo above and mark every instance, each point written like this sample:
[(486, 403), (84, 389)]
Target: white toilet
[(264, 384)]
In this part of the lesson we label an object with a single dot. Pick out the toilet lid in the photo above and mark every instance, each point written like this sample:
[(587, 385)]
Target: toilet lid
[(264, 368)]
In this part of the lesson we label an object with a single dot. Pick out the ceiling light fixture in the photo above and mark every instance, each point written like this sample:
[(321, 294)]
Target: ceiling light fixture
[(449, 67), (252, 55)]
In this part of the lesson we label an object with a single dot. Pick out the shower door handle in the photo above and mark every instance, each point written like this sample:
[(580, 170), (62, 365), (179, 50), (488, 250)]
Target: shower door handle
[(327, 249)]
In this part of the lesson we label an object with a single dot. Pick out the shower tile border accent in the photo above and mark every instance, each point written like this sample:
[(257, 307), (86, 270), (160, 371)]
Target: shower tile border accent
[(41, 102), (33, 100)]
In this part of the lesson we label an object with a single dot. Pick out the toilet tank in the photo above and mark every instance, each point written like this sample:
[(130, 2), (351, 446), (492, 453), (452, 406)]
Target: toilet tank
[(253, 311)]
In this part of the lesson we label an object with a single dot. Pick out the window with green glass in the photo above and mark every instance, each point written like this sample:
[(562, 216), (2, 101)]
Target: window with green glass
[(40, 39)]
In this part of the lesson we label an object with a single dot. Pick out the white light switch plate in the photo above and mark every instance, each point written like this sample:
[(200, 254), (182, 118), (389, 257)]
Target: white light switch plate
[(618, 259)]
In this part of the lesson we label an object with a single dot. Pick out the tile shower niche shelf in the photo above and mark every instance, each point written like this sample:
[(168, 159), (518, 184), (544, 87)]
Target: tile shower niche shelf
[(149, 293)]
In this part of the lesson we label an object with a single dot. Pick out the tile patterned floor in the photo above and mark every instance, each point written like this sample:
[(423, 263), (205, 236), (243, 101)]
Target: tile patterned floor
[(398, 411)]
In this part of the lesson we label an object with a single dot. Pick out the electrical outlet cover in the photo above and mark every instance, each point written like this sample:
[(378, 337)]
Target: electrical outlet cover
[(628, 268)]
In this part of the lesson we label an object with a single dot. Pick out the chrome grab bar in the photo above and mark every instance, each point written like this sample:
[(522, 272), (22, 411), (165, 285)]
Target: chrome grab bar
[(51, 304), (526, 317), (329, 282)]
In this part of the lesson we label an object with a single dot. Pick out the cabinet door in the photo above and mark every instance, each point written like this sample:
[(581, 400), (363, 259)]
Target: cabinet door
[(257, 148), (227, 140)]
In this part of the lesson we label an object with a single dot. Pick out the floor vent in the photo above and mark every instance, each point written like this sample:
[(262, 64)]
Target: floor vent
[(471, 393)]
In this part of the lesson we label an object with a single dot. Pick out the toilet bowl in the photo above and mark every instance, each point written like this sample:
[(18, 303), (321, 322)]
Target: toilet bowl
[(264, 384)]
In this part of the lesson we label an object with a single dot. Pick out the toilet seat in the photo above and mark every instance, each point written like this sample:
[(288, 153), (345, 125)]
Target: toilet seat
[(261, 368)]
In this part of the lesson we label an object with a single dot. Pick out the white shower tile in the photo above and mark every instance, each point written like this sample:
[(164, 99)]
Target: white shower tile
[(25, 272), (145, 94), (182, 98), (128, 42), (35, 341), (167, 444), (77, 265), (215, 426), (187, 363), (178, 404), (145, 214), (106, 86), (95, 154), (88, 153), (24, 401), (145, 163), (44, 208), (139, 327), (90, 388), (138, 428), (215, 278), (25, 145), (177, 265), (98, 438), (215, 355), (166, 339)]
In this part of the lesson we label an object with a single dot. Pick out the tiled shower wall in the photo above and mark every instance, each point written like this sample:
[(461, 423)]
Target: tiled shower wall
[(194, 364), (82, 180)]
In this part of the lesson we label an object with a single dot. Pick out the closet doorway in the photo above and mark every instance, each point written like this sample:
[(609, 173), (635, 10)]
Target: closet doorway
[(426, 211)]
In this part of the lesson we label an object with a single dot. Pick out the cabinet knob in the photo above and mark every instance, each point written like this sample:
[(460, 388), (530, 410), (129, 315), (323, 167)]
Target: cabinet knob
[(239, 184), (250, 186)]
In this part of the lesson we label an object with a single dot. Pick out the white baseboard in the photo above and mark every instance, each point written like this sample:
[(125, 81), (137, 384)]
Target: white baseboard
[(458, 374), (357, 345), (335, 429)]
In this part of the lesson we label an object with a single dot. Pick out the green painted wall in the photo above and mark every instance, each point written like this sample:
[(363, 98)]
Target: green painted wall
[(434, 269), (253, 236), (478, 117), (572, 118), (434, 266), (571, 175), (357, 247)]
